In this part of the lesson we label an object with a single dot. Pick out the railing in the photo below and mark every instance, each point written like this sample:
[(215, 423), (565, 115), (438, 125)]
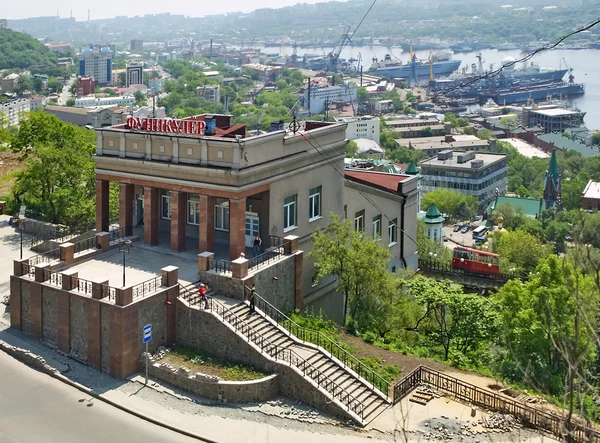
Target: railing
[(275, 242), (321, 340), (28, 270), (109, 292), (84, 245), (116, 233), (284, 354), (52, 277), (446, 268), (81, 285), (46, 257), (484, 398), (219, 265), (148, 287), (267, 257)]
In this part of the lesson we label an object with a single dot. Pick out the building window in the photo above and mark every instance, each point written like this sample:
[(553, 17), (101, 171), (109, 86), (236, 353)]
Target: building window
[(393, 231), (314, 204), (289, 213), (377, 227), (193, 209), (166, 204), (222, 214), (359, 221)]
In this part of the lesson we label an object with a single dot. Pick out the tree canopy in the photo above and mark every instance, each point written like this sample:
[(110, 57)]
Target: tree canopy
[(20, 50)]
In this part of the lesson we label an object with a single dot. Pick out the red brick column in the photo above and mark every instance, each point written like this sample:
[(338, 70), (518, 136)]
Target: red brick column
[(125, 336), (151, 209), (93, 335), (207, 223), (64, 315), (102, 199), (126, 208), (35, 299), (178, 218), (237, 227), (15, 301), (298, 298)]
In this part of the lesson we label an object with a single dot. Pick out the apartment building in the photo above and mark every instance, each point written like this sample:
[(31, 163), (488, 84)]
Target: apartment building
[(13, 111), (362, 127), (96, 62)]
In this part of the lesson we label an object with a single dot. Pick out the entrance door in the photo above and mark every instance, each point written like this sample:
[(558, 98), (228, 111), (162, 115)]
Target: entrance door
[(252, 225)]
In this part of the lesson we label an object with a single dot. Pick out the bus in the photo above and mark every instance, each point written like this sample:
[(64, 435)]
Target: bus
[(479, 232), (474, 261)]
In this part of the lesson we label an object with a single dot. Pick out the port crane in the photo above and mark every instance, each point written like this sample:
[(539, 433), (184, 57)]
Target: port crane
[(334, 55)]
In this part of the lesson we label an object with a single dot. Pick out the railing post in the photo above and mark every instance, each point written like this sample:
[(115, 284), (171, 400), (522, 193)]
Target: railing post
[(39, 272), (97, 287), (204, 259), (67, 253), (103, 240), (68, 279), (170, 276), (124, 296), (18, 267)]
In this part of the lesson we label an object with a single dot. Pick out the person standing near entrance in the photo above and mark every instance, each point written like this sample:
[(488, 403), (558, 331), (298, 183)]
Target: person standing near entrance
[(256, 245), (202, 291)]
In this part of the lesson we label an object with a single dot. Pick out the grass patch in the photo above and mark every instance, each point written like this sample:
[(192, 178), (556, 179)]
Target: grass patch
[(199, 361)]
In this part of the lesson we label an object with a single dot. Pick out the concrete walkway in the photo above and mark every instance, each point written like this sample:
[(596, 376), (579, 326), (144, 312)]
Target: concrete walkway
[(10, 250)]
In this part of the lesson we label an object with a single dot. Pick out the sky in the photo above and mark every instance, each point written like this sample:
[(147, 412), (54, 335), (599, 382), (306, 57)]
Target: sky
[(111, 8)]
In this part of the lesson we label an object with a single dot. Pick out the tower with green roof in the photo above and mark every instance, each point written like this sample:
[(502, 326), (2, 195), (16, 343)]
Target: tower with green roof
[(553, 185), (434, 222)]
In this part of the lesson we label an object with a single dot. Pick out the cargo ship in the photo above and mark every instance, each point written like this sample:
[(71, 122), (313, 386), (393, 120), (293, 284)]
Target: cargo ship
[(539, 92), (415, 70)]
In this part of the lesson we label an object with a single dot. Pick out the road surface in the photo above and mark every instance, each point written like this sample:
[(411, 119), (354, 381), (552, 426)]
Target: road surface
[(35, 407), (65, 94)]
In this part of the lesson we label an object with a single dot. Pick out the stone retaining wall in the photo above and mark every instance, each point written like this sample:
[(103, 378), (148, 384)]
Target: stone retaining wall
[(211, 387)]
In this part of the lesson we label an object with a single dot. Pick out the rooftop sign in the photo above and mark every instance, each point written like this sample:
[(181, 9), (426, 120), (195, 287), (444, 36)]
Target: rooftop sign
[(167, 125)]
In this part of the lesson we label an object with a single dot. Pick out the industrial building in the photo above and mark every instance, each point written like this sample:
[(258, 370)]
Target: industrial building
[(556, 119), (362, 127), (317, 100)]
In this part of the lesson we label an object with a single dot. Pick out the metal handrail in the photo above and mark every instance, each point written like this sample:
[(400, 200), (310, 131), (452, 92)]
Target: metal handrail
[(266, 257), (84, 245), (147, 287), (280, 353), (45, 257), (321, 340)]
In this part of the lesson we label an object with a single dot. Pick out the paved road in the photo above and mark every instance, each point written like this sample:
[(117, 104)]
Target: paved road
[(65, 94), (35, 407)]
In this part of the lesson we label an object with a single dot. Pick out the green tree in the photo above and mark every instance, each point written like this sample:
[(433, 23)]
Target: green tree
[(485, 134), (140, 98), (456, 205), (55, 85), (70, 102), (596, 138), (351, 149), (426, 132), (518, 250), (360, 264), (59, 180)]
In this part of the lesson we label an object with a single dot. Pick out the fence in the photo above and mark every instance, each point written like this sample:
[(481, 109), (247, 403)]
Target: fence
[(219, 265), (116, 233), (84, 245), (267, 257), (321, 340), (446, 268), (81, 285), (46, 257), (476, 396), (148, 287), (280, 353), (52, 277)]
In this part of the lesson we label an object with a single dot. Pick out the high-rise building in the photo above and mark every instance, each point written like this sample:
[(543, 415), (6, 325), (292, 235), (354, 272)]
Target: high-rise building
[(96, 62), (3, 23), (134, 74), (85, 86), (137, 45)]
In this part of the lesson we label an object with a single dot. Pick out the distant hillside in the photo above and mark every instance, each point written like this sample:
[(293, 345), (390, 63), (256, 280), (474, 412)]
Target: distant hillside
[(18, 50)]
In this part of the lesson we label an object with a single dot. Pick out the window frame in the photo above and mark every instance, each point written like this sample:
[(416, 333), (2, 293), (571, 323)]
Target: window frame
[(377, 222), (286, 213), (393, 232), (312, 196), (359, 221), (193, 201), (222, 210)]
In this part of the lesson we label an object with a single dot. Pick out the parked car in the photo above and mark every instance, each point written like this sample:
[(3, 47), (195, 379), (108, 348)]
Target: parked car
[(457, 227), (465, 229)]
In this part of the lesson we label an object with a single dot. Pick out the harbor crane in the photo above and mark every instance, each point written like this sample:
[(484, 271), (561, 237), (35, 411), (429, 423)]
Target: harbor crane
[(334, 55)]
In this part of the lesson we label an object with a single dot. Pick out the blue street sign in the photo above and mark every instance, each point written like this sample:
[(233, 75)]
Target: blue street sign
[(147, 333)]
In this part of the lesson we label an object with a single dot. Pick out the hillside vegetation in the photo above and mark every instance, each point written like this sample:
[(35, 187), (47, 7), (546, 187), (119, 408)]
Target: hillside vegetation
[(18, 50)]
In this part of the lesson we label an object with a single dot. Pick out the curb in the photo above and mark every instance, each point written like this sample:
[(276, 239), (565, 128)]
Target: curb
[(38, 363)]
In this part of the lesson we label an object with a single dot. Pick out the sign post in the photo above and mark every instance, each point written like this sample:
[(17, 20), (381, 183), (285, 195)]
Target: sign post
[(147, 337)]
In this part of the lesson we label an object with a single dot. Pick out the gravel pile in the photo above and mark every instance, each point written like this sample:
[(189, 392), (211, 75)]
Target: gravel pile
[(503, 422)]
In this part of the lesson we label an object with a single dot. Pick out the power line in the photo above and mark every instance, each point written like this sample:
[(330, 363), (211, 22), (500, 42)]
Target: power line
[(525, 58)]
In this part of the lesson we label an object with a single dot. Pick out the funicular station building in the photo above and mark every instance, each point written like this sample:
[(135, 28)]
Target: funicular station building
[(199, 185)]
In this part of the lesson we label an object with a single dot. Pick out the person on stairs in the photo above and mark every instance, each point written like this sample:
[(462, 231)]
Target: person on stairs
[(202, 291), (251, 298)]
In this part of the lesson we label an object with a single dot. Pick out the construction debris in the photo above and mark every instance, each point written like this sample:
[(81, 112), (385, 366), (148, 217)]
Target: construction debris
[(503, 422)]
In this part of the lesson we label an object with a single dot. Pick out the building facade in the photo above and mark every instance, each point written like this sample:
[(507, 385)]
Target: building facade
[(556, 119), (471, 173), (137, 45), (13, 111), (591, 196), (384, 206), (134, 74), (85, 86), (89, 102), (96, 62), (215, 190), (362, 127), (209, 92), (317, 100), (431, 146), (10, 82)]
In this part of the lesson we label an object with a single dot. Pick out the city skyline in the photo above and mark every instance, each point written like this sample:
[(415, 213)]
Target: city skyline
[(113, 8)]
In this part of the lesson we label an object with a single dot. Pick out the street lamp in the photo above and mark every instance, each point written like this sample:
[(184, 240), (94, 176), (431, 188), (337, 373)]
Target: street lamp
[(21, 224), (124, 247)]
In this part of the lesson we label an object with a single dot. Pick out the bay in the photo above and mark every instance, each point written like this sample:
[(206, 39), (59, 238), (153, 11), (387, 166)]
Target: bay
[(585, 64)]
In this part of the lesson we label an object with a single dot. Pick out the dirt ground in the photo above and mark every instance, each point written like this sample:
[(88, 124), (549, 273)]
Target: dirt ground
[(9, 164)]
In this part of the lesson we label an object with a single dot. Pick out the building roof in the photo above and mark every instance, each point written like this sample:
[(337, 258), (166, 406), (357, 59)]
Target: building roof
[(67, 109), (452, 162), (433, 215), (592, 190), (439, 142), (412, 169), (380, 180), (555, 112), (530, 206), (366, 145), (565, 143), (553, 169)]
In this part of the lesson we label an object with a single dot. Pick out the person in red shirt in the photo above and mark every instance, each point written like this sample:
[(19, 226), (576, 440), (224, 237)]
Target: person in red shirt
[(202, 291)]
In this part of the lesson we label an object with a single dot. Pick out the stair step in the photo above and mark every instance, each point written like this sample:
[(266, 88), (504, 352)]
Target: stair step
[(374, 409), (281, 341), (418, 401), (423, 397)]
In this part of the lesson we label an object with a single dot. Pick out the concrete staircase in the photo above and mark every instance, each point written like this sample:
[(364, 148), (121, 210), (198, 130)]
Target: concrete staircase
[(328, 373), (371, 401)]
